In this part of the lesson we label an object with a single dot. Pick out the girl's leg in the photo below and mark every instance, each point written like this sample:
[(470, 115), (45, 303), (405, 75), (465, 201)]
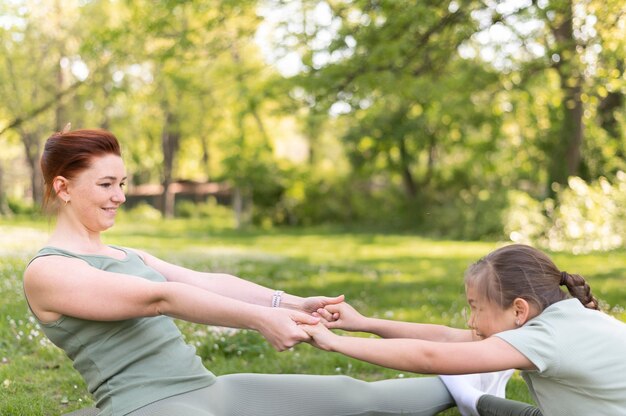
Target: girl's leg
[(311, 395), (489, 405), (469, 389)]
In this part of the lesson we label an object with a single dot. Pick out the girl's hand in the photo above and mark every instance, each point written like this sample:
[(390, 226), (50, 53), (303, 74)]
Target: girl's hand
[(321, 337), (342, 316)]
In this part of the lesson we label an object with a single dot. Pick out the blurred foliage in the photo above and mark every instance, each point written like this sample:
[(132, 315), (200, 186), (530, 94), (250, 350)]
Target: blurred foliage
[(421, 116), (141, 212), (585, 217), (21, 207), (210, 212)]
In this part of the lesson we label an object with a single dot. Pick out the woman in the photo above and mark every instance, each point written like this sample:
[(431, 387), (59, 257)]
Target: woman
[(111, 308), (572, 356)]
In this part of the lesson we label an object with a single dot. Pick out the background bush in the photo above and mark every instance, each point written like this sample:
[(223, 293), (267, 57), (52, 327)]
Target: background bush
[(583, 217)]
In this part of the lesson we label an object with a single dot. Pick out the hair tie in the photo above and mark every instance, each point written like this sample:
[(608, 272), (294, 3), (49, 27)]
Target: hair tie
[(564, 276)]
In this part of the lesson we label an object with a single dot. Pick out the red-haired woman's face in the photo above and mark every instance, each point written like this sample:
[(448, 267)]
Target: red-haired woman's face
[(96, 193)]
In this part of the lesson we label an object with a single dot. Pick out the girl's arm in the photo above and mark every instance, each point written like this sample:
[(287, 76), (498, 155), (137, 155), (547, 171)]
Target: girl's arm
[(57, 286), (343, 316), (235, 287), (426, 357), (429, 332)]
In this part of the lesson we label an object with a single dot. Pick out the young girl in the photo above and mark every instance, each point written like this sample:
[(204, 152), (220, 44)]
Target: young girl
[(572, 356), (110, 309)]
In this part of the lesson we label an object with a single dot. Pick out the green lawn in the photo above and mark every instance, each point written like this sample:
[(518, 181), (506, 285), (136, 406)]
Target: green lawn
[(395, 276)]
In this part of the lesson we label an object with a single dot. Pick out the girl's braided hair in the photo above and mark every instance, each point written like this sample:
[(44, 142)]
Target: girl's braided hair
[(521, 271)]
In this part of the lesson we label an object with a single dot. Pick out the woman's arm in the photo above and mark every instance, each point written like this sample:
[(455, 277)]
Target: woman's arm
[(235, 287), (343, 316), (58, 286), (426, 357)]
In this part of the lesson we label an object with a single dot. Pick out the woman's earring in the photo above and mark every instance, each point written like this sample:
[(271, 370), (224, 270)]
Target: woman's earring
[(66, 201), (517, 322)]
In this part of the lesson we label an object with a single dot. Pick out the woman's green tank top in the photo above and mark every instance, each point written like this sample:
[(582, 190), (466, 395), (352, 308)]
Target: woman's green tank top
[(131, 363)]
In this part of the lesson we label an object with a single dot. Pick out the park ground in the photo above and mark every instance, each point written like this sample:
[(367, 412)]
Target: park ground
[(395, 276)]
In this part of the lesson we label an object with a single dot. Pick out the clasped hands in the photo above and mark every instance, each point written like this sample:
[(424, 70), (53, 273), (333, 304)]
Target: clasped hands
[(283, 328), (333, 316), (311, 323)]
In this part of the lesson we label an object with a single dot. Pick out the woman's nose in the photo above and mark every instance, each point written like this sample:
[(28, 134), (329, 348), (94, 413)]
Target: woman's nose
[(119, 196)]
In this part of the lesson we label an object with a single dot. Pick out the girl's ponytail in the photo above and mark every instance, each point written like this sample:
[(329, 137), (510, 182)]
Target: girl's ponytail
[(578, 288)]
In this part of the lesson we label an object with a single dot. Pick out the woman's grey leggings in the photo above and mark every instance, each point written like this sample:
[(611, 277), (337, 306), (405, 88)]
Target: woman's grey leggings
[(306, 395), (489, 405)]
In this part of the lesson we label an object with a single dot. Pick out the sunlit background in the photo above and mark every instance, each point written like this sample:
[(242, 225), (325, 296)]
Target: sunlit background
[(461, 119)]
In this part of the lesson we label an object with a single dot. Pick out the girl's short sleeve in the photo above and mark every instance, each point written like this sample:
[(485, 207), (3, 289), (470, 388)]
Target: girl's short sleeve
[(536, 341)]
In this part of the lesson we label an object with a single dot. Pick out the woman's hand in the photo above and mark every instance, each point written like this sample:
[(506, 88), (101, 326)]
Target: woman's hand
[(312, 304), (282, 329), (342, 316), (321, 337)]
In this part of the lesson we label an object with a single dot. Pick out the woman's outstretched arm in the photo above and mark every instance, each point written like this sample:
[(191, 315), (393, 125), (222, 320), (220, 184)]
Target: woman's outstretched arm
[(57, 286), (235, 287)]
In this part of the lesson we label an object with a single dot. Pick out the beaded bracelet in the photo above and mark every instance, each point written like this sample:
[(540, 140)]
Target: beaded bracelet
[(276, 298)]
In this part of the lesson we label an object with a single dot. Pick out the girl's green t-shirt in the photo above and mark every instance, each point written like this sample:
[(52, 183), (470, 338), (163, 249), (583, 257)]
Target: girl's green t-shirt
[(580, 355)]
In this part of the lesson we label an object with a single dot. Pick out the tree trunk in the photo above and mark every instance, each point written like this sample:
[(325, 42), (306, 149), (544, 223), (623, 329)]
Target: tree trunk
[(206, 155), (170, 141), (242, 204), (432, 158), (410, 188), (5, 211), (204, 142), (566, 157), (32, 149), (238, 207), (60, 110)]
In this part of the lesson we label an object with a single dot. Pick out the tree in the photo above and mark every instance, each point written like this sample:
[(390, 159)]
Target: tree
[(44, 95), (378, 71), (556, 61), (33, 88)]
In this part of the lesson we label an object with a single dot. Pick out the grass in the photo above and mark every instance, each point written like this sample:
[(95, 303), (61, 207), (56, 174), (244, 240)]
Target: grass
[(394, 276)]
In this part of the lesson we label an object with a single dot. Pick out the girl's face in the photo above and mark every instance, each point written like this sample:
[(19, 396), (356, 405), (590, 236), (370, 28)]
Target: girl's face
[(487, 318), (97, 192)]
